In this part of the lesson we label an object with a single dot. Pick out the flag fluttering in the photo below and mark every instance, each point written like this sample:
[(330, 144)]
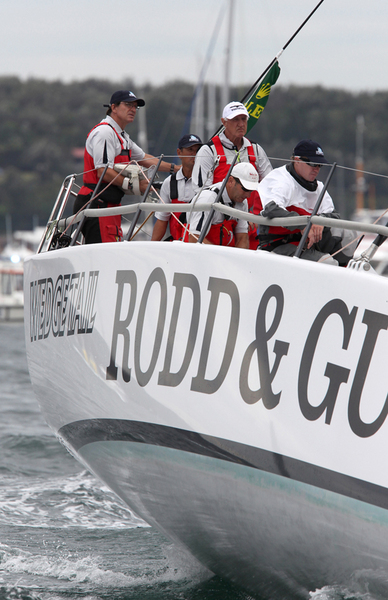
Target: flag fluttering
[(256, 102)]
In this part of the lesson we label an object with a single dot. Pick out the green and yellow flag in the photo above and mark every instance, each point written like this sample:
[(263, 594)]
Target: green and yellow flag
[(256, 102)]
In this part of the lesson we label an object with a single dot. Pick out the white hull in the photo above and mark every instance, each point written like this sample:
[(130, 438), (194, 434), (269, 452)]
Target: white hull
[(234, 399)]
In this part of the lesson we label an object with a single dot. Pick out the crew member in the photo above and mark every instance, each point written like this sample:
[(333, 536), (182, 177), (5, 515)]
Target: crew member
[(213, 160), (108, 143), (225, 230), (294, 190), (177, 189)]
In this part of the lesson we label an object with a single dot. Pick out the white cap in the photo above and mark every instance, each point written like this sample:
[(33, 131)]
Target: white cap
[(246, 174), (233, 109)]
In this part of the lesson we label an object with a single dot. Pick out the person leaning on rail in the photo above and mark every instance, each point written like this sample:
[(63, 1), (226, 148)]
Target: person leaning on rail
[(109, 143), (293, 190), (225, 230), (214, 158), (177, 189)]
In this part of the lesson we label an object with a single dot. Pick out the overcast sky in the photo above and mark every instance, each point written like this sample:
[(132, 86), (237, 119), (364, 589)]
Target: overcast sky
[(344, 45)]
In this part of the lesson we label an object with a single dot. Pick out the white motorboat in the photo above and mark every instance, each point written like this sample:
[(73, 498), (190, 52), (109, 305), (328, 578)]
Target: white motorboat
[(11, 291), (19, 246), (233, 399)]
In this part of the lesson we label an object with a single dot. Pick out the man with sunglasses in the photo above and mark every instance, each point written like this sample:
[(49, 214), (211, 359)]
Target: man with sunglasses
[(109, 143), (225, 230), (293, 190)]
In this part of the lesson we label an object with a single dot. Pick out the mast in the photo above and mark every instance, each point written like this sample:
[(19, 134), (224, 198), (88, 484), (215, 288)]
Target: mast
[(198, 121), (211, 109), (225, 97), (142, 135), (8, 229), (360, 180), (194, 120)]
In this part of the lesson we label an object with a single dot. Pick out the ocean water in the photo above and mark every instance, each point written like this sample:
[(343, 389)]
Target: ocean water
[(64, 536)]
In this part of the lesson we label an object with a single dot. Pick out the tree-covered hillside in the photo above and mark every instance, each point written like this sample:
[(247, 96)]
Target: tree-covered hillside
[(44, 124)]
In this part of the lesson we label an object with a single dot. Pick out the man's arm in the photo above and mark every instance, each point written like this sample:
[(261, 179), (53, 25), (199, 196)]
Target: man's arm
[(102, 145), (273, 210), (113, 176), (242, 240), (162, 218), (159, 230), (150, 160)]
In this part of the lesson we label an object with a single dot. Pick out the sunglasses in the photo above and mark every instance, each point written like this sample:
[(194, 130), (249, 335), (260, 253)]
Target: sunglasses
[(243, 188), (130, 105), (310, 164)]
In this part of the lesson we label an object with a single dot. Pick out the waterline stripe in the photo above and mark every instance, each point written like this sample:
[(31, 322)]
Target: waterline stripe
[(88, 431)]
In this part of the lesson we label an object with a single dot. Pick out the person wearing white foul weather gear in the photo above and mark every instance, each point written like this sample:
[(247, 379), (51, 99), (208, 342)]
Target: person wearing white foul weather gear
[(294, 190)]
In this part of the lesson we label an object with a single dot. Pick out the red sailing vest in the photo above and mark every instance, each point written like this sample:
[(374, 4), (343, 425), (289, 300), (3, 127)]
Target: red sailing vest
[(222, 169), (254, 202), (110, 227), (90, 177), (222, 234), (177, 220)]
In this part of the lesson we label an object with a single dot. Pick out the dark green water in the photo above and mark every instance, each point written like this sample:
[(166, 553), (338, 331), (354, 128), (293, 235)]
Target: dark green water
[(64, 537)]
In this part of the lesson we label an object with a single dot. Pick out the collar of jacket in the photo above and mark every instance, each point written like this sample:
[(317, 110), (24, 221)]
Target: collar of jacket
[(311, 186)]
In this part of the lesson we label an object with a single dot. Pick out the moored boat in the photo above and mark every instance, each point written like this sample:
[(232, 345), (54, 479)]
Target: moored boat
[(18, 247), (11, 291), (233, 399)]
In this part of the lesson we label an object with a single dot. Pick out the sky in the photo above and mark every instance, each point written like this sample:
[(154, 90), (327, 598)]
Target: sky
[(344, 44)]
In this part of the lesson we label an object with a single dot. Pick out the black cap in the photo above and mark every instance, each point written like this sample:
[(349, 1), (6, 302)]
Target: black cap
[(189, 140), (124, 96), (311, 150)]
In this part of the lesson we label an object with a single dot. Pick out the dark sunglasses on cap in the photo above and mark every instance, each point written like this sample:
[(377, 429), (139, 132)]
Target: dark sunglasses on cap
[(309, 163), (243, 188)]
